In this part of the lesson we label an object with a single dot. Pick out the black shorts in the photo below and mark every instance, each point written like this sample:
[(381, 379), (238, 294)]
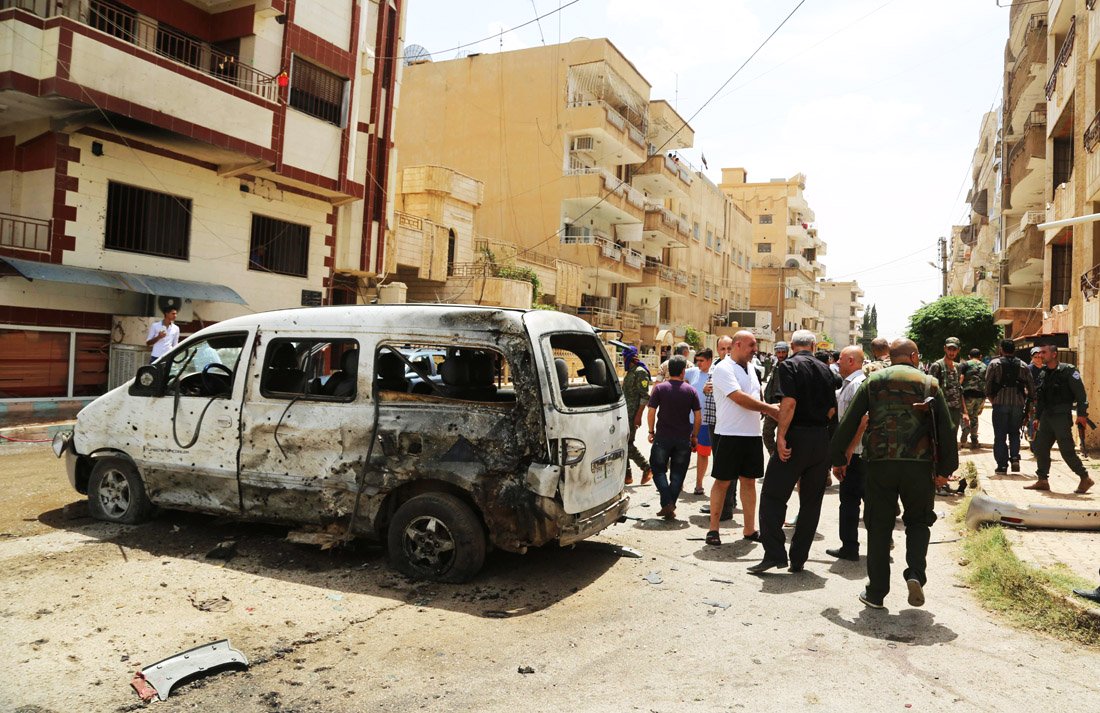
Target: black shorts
[(737, 457)]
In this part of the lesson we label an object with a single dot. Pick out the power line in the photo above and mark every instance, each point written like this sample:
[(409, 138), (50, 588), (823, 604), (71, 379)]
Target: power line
[(497, 35)]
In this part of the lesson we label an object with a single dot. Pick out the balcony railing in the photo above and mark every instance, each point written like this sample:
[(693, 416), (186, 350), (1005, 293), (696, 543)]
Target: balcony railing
[(1063, 57), (582, 236), (126, 25), (23, 233), (577, 167), (1090, 283), (633, 258), (602, 317), (1092, 133)]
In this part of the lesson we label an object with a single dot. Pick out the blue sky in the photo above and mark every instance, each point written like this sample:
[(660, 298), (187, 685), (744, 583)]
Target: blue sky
[(878, 102)]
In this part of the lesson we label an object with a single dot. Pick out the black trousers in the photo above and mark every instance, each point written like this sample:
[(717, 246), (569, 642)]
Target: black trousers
[(851, 499), (809, 464)]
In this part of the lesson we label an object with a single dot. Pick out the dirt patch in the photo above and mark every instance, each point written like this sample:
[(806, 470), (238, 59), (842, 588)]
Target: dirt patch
[(35, 483)]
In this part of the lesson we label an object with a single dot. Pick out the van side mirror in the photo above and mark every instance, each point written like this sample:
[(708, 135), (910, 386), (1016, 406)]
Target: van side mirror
[(149, 381)]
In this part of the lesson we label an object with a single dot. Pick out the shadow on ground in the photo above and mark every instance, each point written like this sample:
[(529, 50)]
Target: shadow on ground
[(509, 585), (915, 627)]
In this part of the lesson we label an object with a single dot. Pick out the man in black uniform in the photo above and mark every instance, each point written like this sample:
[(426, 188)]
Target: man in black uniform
[(1059, 388), (802, 447)]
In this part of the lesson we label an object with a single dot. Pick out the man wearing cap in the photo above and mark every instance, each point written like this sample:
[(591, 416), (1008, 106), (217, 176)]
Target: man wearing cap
[(772, 395), (636, 392), (946, 371), (972, 379), (1010, 388), (1059, 389)]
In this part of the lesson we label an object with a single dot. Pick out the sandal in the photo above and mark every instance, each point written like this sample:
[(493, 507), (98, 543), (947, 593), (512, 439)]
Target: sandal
[(700, 491), (713, 538), (754, 537)]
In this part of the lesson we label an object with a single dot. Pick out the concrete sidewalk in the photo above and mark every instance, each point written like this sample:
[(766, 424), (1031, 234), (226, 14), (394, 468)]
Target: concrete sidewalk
[(35, 432), (1078, 550)]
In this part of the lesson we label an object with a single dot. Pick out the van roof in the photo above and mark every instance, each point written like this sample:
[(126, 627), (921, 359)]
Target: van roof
[(414, 316)]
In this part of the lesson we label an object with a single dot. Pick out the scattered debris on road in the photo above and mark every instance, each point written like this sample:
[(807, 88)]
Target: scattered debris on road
[(165, 674), (525, 670), (216, 604), (716, 604), (653, 578), (223, 551)]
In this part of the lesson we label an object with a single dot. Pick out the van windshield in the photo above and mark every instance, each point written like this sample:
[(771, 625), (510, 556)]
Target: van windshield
[(582, 374)]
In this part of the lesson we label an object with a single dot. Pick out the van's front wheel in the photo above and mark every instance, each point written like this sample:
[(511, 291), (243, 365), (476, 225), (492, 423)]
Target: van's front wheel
[(436, 536), (116, 493)]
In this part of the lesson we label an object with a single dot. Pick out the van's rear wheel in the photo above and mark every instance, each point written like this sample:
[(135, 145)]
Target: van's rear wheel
[(116, 493), (436, 536)]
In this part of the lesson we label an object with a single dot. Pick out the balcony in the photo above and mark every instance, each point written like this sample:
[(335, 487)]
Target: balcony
[(600, 257), (602, 134), (1094, 34), (1092, 157), (1027, 163), (661, 176), (801, 237), (1018, 321), (147, 72), (667, 128), (481, 283), (1090, 283), (794, 261), (1060, 85), (602, 318), (1062, 206), (662, 229), (664, 280), (19, 232), (1023, 256), (597, 195), (1028, 74)]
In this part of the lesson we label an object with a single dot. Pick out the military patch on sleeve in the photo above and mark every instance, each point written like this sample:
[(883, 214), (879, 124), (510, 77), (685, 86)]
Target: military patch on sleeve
[(1077, 375), (645, 382)]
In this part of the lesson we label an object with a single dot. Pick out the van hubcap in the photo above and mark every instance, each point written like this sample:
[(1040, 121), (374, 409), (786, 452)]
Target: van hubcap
[(114, 493), (428, 543)]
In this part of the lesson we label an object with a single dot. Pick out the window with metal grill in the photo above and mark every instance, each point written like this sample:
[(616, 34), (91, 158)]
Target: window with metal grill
[(142, 221), (317, 91), (279, 246)]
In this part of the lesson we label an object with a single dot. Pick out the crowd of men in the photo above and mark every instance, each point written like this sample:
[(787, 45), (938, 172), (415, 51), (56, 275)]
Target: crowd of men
[(887, 429)]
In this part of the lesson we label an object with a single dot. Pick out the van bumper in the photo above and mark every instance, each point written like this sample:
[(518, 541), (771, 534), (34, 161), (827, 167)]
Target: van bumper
[(63, 448), (592, 523)]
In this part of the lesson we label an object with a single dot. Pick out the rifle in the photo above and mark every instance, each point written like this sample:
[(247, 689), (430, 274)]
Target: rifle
[(1081, 435), (926, 406)]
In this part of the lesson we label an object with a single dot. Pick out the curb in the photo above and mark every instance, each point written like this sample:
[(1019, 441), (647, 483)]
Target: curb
[(38, 433)]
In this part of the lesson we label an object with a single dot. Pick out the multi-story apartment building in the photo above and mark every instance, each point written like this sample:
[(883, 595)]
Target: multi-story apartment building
[(219, 157), (582, 185), (786, 250), (1025, 190), (842, 311), (975, 250)]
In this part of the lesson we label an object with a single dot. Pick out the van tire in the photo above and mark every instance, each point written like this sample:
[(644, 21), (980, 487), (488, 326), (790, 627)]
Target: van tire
[(436, 536), (116, 493)]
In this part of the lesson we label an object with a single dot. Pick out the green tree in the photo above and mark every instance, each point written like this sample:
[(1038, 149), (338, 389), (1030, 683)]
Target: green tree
[(693, 337), (964, 316), (869, 329)]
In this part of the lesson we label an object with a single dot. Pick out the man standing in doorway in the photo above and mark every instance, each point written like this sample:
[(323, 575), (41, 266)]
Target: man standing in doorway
[(674, 417), (738, 447), (163, 335), (802, 447), (1010, 388), (972, 380), (772, 395), (946, 371), (909, 450), (636, 392), (851, 478), (1060, 388)]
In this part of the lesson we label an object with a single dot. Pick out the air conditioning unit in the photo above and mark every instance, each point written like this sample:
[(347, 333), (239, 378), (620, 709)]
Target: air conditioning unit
[(583, 143), (125, 360), (156, 305)]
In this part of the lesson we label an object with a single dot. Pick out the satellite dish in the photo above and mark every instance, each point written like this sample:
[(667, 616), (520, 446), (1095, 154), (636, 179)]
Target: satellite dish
[(416, 54), (791, 263)]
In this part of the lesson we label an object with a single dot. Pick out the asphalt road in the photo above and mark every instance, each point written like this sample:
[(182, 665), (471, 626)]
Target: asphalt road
[(83, 604)]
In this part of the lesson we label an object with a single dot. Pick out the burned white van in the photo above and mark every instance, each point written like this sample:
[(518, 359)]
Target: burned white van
[(515, 435)]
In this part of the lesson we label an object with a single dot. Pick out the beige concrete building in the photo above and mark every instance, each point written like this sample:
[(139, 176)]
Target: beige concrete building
[(842, 311), (221, 157), (786, 250), (582, 185), (974, 248)]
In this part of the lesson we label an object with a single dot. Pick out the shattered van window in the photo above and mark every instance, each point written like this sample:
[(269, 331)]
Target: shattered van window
[(582, 374), (206, 367), (311, 369), (467, 373)]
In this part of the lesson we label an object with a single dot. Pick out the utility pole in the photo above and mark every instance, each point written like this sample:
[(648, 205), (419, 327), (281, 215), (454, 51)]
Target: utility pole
[(943, 264)]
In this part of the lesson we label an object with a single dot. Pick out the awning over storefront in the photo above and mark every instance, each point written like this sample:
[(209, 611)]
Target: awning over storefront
[(132, 282)]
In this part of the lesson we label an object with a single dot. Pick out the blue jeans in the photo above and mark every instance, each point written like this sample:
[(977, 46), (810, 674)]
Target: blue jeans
[(669, 459), (1006, 425)]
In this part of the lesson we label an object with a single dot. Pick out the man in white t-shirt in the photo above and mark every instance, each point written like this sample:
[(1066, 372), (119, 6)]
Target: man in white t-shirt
[(737, 443), (163, 336)]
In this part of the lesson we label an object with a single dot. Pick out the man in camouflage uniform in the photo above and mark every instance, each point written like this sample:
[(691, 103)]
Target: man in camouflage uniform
[(880, 350), (972, 378), (1059, 388), (636, 392), (946, 371), (909, 449)]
